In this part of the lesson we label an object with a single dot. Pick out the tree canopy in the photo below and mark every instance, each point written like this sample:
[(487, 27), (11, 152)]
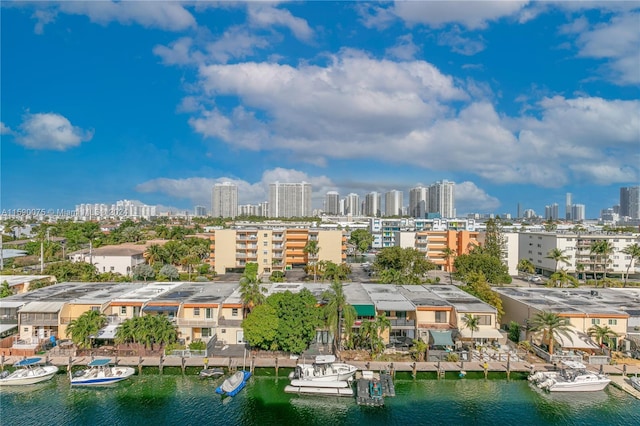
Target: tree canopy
[(476, 285), (361, 240), (396, 265), (491, 267)]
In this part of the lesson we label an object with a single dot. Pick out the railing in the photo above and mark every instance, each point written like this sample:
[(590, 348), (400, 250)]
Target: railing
[(188, 353), (207, 322), (402, 323), (599, 360), (230, 322)]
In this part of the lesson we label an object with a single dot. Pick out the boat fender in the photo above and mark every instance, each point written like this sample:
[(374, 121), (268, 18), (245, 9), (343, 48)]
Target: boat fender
[(462, 374)]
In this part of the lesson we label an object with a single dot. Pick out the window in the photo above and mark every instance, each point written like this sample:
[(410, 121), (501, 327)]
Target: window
[(123, 310), (208, 313), (265, 243), (206, 332), (196, 312), (95, 308), (113, 268), (224, 331), (613, 322), (484, 319), (441, 316), (595, 321), (265, 235), (25, 329), (234, 312)]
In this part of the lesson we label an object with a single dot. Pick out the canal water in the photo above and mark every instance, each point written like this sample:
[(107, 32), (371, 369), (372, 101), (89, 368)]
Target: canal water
[(174, 399)]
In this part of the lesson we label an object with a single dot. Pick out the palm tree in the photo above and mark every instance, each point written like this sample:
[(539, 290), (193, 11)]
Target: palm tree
[(602, 248), (525, 265), (336, 310), (550, 325), (251, 292), (633, 251), (601, 333), (155, 254), (557, 256), (580, 270), (126, 331), (449, 254), (561, 278), (471, 322), (86, 326), (311, 249)]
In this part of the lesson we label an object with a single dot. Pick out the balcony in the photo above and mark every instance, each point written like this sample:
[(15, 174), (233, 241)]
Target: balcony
[(402, 322), (229, 322), (194, 322)]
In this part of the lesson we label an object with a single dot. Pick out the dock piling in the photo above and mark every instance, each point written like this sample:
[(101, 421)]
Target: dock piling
[(414, 367), (184, 364), (486, 370), (276, 360), (2, 362), (160, 363), (139, 365)]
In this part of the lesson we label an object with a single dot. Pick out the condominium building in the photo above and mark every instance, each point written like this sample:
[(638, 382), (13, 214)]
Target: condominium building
[(418, 201), (393, 203), (434, 244), (273, 249), (442, 198), (224, 200), (332, 203), (578, 212), (352, 205), (568, 207), (200, 211), (551, 212), (290, 199), (630, 202), (372, 205)]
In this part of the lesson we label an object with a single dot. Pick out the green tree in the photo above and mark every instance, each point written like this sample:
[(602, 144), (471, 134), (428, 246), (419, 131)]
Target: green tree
[(251, 292), (514, 331), (155, 253), (361, 239), (602, 250), (479, 262), (143, 272), (448, 253), (557, 256), (477, 286), (5, 289), (174, 250), (338, 313), (298, 319), (526, 266), (169, 271), (277, 277), (261, 327), (471, 322), (333, 272), (71, 271), (369, 334), (603, 334), (86, 327), (311, 249), (494, 241), (562, 278), (633, 251), (551, 325), (411, 265)]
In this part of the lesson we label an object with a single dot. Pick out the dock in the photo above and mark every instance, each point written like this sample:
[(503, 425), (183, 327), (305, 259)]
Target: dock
[(622, 382), (364, 383)]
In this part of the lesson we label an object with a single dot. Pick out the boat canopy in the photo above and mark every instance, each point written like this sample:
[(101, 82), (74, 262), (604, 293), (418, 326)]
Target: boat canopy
[(441, 337), (325, 359), (28, 361), (99, 362)]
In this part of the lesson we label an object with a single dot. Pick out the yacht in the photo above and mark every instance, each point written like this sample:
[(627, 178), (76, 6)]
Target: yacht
[(573, 376), (28, 371), (323, 369), (101, 372)]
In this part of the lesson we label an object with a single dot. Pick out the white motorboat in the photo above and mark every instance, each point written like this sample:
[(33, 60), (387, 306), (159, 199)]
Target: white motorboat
[(324, 368), (572, 377), (635, 382), (28, 371), (234, 384), (101, 372)]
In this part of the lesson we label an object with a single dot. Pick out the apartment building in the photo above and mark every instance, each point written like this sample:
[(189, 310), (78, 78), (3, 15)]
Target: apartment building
[(273, 249), (224, 200), (290, 199), (435, 243)]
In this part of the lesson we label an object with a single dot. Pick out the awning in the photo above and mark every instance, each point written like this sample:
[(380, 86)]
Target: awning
[(7, 327), (365, 310), (483, 333), (160, 309), (575, 339), (441, 337), (108, 332)]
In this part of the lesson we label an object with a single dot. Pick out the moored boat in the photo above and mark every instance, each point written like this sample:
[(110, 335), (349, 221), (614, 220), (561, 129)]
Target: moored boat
[(234, 384), (101, 372), (635, 382), (324, 368), (28, 371), (572, 377), (211, 372)]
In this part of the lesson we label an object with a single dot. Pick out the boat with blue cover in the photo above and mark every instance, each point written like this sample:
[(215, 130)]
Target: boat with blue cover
[(28, 371), (101, 372), (234, 384)]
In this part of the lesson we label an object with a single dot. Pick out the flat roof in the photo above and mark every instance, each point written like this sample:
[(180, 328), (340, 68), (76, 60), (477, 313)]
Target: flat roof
[(147, 292), (14, 280)]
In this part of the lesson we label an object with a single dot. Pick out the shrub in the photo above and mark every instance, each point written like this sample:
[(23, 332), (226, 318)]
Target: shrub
[(451, 357), (197, 345)]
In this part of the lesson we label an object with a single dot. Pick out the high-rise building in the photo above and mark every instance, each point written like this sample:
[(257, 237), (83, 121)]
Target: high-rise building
[(551, 212), (393, 203), (352, 204), (568, 207), (224, 200), (442, 198), (630, 202), (290, 199), (200, 211), (578, 212), (519, 213), (332, 203), (418, 201), (372, 203)]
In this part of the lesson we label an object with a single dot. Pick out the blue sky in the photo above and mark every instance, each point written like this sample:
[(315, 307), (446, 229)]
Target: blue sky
[(516, 102)]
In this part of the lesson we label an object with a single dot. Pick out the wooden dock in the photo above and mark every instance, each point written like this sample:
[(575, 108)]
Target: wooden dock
[(364, 382), (623, 382)]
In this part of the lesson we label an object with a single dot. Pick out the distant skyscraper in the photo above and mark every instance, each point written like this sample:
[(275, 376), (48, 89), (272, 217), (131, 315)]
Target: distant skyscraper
[(372, 204), (352, 204), (568, 207), (418, 201), (393, 203), (442, 199), (630, 202), (519, 211), (332, 203), (290, 199), (200, 211), (551, 212), (578, 212), (225, 200)]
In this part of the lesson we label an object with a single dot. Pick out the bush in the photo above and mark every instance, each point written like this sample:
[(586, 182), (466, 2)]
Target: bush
[(514, 331), (197, 345), (201, 279), (173, 347), (451, 357)]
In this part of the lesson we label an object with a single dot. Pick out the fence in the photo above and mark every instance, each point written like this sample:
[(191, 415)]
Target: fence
[(188, 353)]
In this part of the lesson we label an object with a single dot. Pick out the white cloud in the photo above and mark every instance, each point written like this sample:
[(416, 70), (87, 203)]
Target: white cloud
[(460, 44), (267, 15), (43, 17), (5, 130), (470, 14), (50, 131), (471, 198), (404, 49)]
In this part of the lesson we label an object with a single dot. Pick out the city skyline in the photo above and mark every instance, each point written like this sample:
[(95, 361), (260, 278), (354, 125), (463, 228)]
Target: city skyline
[(518, 103)]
